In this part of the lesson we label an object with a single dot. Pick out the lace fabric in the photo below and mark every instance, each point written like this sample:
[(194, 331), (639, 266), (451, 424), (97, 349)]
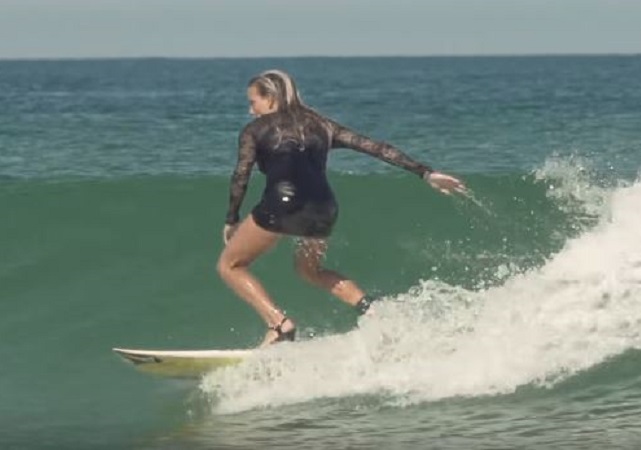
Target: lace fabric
[(302, 130)]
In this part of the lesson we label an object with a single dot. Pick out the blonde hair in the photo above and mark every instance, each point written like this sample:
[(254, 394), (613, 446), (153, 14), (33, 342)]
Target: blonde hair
[(280, 86)]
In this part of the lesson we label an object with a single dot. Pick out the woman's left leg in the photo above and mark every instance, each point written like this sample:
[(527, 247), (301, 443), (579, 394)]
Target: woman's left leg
[(248, 243)]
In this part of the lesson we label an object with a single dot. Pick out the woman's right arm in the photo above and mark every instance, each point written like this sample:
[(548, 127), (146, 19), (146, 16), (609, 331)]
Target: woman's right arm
[(343, 137)]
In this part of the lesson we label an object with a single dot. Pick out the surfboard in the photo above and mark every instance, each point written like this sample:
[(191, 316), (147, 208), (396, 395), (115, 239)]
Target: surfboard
[(182, 363)]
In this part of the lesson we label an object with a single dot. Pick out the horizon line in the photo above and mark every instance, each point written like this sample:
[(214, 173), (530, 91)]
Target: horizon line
[(320, 56)]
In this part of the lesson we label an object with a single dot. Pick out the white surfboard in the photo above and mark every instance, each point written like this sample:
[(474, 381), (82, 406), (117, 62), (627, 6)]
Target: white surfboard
[(182, 363)]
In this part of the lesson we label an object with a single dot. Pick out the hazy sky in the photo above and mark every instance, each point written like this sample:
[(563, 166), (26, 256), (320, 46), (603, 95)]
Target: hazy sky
[(112, 28)]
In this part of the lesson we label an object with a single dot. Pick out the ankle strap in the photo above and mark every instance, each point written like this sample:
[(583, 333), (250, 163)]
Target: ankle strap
[(278, 328), (363, 304)]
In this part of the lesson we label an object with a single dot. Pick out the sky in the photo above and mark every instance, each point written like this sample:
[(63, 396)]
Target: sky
[(258, 28)]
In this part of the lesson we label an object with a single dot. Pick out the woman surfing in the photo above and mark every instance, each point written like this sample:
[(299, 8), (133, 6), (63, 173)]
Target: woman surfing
[(290, 142)]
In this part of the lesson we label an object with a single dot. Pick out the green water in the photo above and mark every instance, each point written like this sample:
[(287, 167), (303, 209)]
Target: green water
[(89, 265), (509, 319)]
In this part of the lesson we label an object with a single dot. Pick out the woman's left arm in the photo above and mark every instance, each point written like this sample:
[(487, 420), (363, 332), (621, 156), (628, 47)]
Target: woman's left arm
[(241, 175)]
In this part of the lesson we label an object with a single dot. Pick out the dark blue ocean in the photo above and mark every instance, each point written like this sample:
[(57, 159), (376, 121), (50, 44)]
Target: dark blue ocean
[(510, 318)]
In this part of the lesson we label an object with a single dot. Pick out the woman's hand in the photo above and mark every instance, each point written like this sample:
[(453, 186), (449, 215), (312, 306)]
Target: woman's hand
[(228, 232), (443, 183)]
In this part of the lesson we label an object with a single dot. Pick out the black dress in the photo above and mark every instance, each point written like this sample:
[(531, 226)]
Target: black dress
[(291, 149)]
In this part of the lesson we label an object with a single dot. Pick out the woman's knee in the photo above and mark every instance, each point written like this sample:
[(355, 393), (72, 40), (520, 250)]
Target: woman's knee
[(226, 265), (307, 271), (222, 267)]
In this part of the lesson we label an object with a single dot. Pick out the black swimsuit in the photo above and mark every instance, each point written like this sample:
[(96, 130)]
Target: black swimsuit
[(291, 149)]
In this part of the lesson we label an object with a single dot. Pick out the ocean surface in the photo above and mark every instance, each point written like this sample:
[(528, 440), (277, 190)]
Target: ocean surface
[(508, 319)]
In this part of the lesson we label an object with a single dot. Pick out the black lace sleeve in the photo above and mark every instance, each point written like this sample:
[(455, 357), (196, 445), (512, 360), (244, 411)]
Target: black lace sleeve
[(345, 138), (241, 175)]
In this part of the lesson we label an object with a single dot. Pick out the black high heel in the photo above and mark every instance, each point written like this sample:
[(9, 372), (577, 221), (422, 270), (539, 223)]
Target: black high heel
[(363, 305), (281, 335)]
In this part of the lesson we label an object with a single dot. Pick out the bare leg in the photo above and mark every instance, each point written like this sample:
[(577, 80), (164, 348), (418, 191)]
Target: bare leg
[(308, 259), (248, 243)]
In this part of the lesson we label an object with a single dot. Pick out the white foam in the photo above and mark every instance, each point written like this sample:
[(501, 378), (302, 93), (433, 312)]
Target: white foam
[(571, 182), (436, 341)]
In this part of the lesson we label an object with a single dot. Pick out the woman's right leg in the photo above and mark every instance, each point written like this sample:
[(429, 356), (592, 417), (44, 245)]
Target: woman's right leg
[(248, 243), (308, 260)]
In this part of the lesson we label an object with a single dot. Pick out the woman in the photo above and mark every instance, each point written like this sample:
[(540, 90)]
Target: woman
[(290, 142)]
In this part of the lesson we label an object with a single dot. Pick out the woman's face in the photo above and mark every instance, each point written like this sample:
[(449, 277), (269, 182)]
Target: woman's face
[(259, 105)]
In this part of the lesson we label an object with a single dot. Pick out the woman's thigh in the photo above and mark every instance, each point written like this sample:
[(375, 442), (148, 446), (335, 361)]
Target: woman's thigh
[(248, 243)]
